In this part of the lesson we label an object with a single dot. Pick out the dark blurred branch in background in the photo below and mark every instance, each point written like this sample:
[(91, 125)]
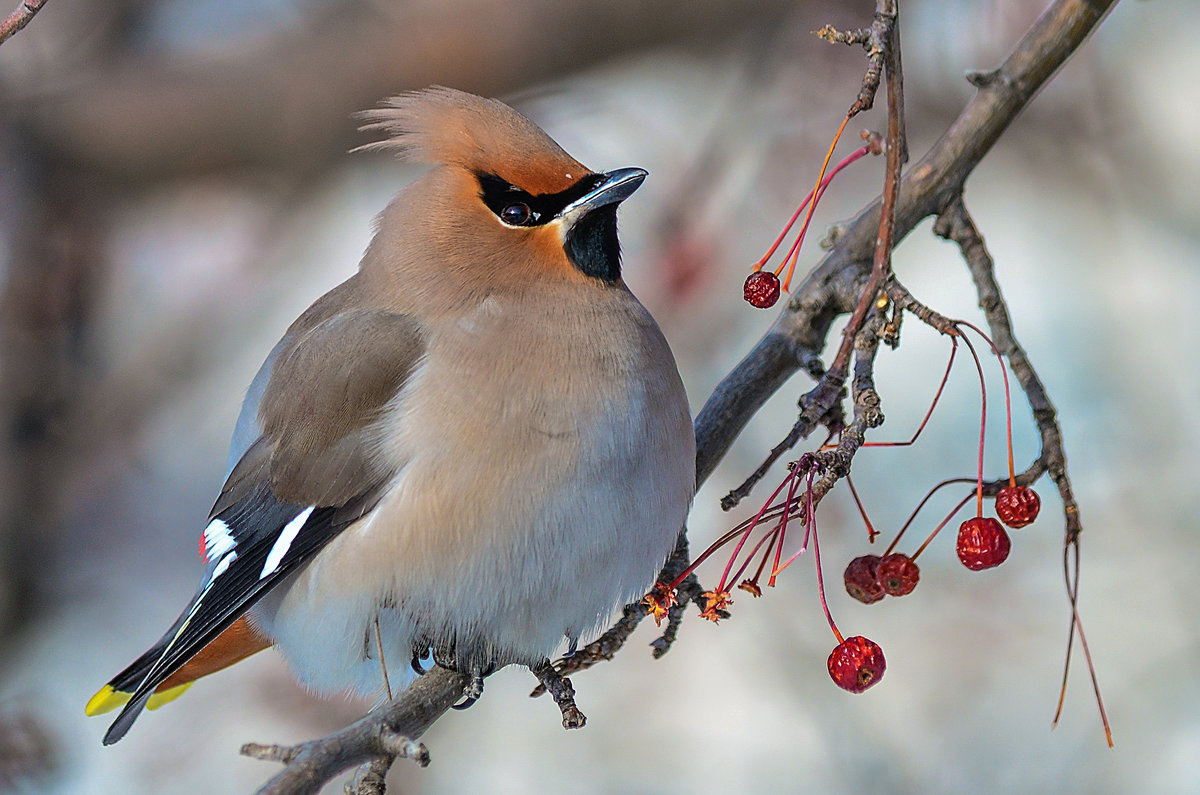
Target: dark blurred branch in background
[(143, 116), (55, 262)]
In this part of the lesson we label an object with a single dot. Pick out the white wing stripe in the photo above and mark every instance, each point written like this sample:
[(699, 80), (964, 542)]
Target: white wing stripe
[(284, 542), (222, 565), (217, 540)]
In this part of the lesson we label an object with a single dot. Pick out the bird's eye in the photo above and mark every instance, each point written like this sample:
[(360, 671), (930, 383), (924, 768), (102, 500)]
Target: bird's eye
[(516, 214)]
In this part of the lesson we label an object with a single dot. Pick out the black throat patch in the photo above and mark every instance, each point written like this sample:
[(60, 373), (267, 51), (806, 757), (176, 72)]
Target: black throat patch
[(592, 244)]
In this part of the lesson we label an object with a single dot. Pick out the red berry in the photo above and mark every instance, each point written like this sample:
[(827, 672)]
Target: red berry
[(761, 289), (1017, 506), (856, 663), (861, 580), (982, 543), (898, 574)]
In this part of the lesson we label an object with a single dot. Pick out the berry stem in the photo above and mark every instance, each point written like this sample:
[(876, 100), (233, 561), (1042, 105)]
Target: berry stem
[(1077, 623), (982, 424), (783, 523), (762, 563), (921, 505), (937, 396), (810, 526), (737, 575), (720, 542), (793, 254), (822, 185), (821, 579), (871, 531), (749, 530), (816, 197), (1072, 578), (943, 523), (744, 529), (1012, 472)]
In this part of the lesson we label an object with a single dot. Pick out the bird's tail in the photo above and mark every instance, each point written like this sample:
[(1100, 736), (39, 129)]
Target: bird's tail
[(121, 687), (236, 643)]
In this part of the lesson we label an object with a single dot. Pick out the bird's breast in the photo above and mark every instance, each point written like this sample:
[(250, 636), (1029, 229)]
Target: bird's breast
[(528, 424), (544, 464), (528, 387)]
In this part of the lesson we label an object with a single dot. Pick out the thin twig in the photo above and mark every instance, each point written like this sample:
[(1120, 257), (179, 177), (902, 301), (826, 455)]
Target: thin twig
[(850, 37), (877, 40), (19, 18), (956, 224), (560, 689)]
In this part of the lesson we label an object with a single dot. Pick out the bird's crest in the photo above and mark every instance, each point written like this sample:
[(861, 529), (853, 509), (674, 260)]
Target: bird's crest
[(445, 126)]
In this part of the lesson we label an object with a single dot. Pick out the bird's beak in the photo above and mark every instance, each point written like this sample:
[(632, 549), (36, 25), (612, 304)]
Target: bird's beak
[(617, 187)]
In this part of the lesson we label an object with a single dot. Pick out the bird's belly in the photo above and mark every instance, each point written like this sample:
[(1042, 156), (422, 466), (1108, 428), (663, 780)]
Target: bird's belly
[(531, 535)]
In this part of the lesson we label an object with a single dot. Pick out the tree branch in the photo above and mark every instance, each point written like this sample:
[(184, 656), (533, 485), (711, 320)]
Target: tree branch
[(387, 733), (820, 405), (798, 334), (956, 224)]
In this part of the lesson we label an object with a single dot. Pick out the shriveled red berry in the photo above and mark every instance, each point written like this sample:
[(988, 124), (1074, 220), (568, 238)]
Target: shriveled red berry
[(862, 581), (898, 574), (982, 543), (856, 663), (761, 289), (1017, 506)]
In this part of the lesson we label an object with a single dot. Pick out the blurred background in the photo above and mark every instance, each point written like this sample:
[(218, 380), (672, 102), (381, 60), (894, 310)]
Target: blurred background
[(175, 188)]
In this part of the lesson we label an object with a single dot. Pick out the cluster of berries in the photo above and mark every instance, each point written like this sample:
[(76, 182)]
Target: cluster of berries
[(856, 663), (982, 544)]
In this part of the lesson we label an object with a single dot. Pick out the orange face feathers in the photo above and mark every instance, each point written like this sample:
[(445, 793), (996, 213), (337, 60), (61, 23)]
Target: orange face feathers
[(484, 136)]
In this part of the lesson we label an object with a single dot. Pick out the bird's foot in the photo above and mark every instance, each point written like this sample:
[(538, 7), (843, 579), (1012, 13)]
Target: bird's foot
[(422, 663), (445, 656), (472, 692)]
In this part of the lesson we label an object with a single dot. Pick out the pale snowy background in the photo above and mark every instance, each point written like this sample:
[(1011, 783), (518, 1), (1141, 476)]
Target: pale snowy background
[(1088, 205)]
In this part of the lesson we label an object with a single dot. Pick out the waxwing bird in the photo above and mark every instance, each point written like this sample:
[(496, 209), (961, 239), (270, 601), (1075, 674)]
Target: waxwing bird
[(478, 443)]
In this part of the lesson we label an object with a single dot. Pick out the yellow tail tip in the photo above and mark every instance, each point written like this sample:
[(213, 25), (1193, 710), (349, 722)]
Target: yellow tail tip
[(167, 696), (106, 700), (109, 699)]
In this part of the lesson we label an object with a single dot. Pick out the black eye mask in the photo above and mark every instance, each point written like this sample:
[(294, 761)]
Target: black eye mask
[(506, 200)]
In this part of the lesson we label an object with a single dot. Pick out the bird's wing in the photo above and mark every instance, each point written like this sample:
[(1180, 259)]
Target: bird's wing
[(313, 470)]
